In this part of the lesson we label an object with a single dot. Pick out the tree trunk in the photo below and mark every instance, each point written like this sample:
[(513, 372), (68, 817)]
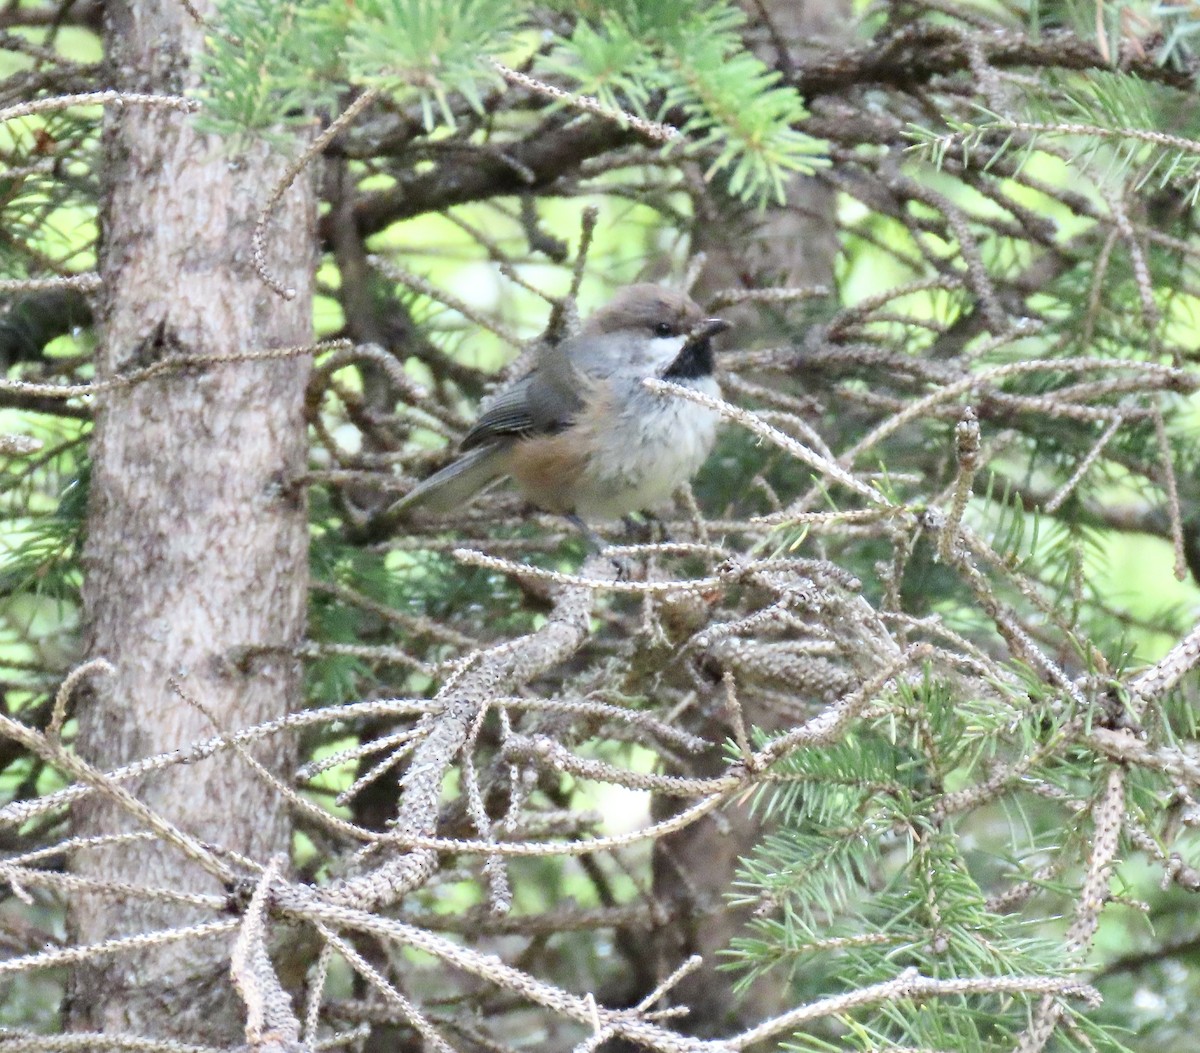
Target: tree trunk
[(197, 528)]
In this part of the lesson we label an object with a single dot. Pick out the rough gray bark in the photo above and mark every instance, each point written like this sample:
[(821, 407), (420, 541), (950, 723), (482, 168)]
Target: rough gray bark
[(197, 536)]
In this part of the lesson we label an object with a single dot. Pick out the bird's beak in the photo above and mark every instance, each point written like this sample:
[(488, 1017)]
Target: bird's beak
[(708, 328)]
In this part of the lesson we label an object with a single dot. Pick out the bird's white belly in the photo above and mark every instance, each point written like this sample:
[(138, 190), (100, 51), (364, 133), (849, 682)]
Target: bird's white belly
[(648, 453)]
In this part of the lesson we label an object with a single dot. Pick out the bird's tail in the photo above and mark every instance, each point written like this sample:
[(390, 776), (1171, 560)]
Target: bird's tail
[(455, 484)]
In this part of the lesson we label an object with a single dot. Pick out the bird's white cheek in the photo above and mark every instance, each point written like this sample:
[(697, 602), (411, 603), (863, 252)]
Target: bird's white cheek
[(664, 350)]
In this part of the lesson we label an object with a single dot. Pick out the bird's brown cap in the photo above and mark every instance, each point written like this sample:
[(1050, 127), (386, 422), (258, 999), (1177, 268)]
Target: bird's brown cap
[(647, 307)]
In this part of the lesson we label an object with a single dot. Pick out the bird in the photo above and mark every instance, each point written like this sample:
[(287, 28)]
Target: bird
[(580, 435)]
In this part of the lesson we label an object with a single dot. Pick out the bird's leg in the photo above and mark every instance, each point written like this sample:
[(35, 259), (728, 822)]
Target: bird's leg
[(589, 535), (598, 544)]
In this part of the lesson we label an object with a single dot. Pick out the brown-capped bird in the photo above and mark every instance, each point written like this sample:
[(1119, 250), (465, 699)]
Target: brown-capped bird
[(580, 435)]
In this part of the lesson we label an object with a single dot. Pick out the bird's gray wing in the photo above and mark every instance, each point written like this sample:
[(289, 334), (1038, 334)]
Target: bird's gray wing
[(534, 405)]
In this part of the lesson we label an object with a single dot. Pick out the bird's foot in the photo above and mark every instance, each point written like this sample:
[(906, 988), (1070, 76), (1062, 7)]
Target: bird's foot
[(597, 544)]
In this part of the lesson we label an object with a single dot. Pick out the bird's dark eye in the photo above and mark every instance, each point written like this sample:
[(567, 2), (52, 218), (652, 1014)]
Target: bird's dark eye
[(664, 329)]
